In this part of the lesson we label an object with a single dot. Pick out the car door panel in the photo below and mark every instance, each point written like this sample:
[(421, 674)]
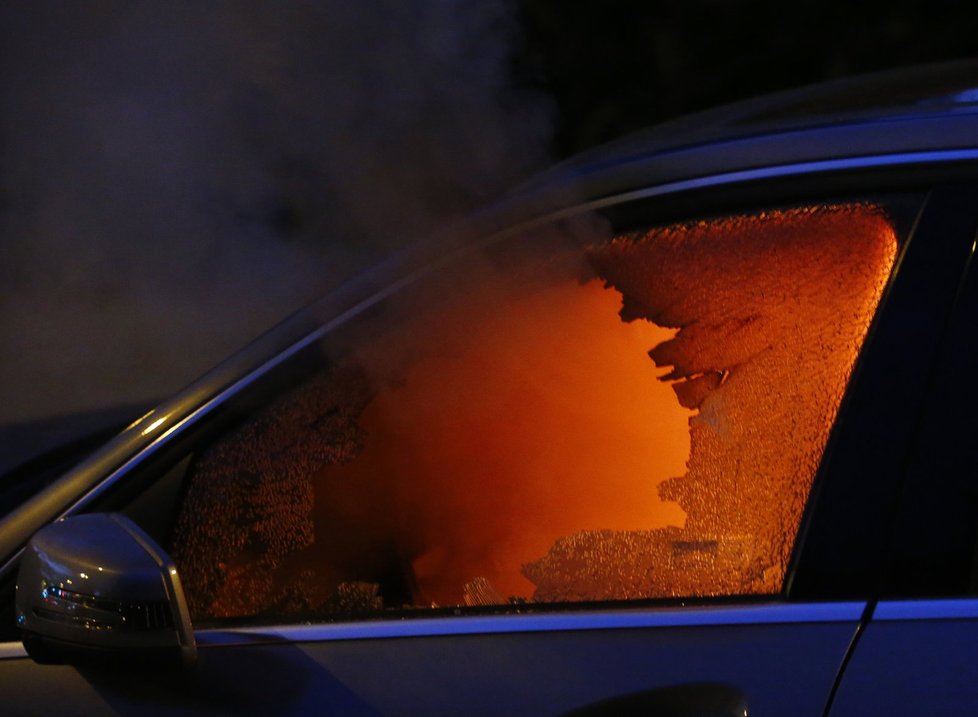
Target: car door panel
[(774, 655), (916, 657)]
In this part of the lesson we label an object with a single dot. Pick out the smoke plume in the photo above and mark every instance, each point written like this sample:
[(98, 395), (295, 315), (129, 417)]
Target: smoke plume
[(176, 177)]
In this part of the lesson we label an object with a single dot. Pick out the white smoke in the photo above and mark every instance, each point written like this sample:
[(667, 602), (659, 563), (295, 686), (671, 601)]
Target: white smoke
[(175, 177)]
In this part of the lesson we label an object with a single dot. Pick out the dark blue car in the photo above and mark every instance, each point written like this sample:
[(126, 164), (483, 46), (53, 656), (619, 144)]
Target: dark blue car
[(682, 427)]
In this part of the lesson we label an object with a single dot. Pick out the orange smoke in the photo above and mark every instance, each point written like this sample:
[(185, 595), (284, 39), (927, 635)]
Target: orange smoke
[(518, 440), (527, 419), (773, 309)]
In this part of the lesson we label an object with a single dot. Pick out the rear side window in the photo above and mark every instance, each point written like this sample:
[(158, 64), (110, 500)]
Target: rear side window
[(609, 418)]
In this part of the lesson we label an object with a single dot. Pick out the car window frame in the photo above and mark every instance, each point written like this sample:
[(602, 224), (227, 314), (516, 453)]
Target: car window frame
[(714, 201), (821, 476)]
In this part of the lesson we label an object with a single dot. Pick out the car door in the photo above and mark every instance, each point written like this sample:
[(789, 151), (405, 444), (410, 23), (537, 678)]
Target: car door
[(603, 474)]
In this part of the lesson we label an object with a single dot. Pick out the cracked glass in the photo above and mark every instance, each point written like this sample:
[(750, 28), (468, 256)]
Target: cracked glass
[(610, 418)]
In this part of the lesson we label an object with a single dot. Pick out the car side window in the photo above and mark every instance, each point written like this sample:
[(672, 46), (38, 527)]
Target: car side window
[(623, 417)]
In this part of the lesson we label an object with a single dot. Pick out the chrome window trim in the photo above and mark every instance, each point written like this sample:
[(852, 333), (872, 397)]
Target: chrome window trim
[(627, 619), (823, 166), (947, 609)]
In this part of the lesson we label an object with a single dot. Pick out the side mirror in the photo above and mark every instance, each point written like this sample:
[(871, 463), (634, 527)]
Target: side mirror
[(95, 588)]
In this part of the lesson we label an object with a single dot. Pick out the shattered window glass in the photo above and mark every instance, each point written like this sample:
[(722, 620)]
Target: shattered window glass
[(635, 417)]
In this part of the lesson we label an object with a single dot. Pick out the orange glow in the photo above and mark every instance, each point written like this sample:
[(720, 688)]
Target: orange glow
[(535, 417), (774, 308), (522, 440)]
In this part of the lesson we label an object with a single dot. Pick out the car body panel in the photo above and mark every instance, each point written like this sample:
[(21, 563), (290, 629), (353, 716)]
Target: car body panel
[(514, 665), (915, 657), (782, 656)]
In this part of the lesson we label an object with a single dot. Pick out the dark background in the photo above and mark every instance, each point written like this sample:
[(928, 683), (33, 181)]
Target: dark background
[(615, 67)]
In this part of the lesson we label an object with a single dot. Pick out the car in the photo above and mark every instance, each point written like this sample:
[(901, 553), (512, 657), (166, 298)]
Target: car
[(683, 426)]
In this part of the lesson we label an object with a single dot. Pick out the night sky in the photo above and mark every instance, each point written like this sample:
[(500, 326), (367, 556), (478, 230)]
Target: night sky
[(614, 68), (175, 177)]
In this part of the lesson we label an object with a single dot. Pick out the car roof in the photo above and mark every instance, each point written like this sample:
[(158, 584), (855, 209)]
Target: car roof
[(928, 108), (912, 92)]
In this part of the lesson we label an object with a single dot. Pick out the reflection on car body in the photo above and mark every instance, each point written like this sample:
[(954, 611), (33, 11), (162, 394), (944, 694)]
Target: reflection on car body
[(677, 459)]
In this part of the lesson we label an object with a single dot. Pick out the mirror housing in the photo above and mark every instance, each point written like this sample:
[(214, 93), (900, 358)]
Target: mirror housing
[(95, 588)]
